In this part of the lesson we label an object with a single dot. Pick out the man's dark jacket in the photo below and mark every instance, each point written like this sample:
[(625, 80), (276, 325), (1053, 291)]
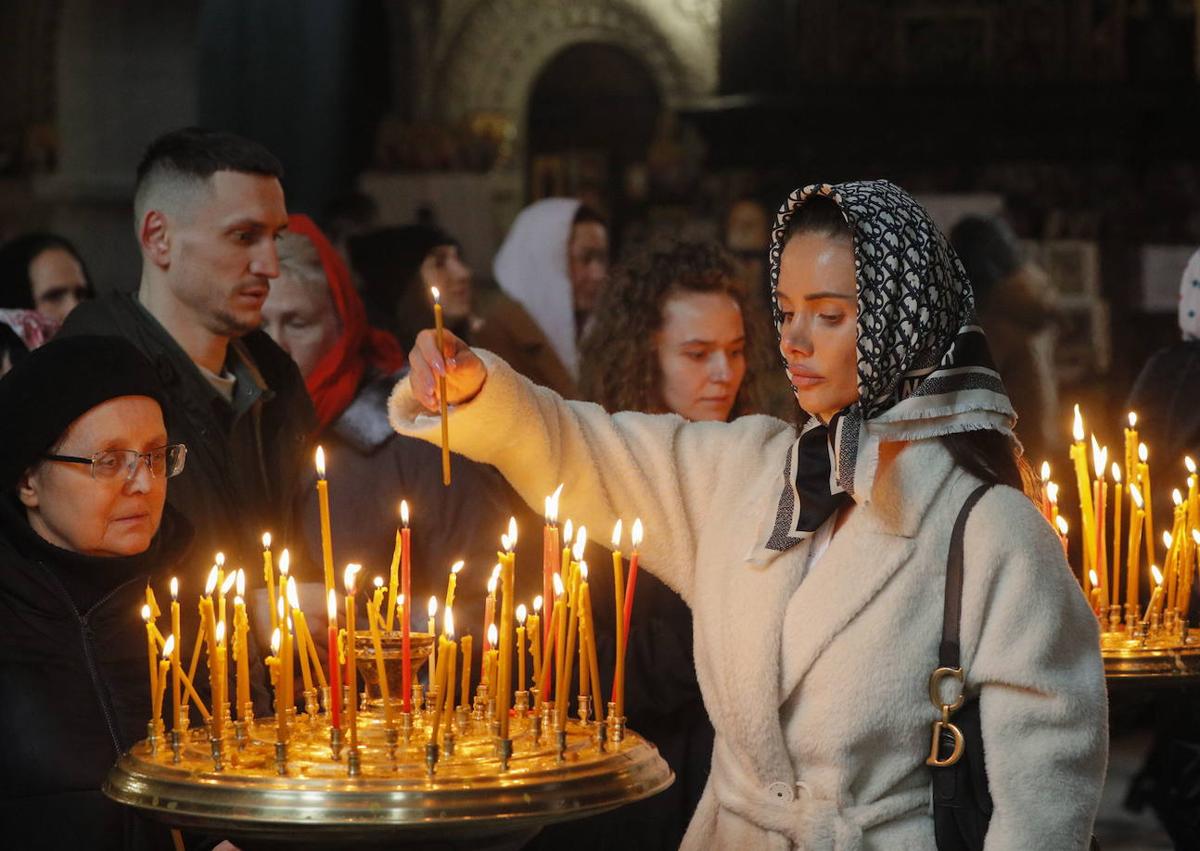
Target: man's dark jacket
[(245, 459)]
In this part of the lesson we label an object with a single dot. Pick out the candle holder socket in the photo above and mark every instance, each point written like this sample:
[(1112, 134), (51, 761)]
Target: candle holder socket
[(218, 753), (176, 746), (310, 702), (616, 724), (406, 727), (584, 708), (239, 734), (560, 746), (326, 696), (152, 738), (536, 726), (521, 703), (505, 749), (431, 758), (354, 763), (462, 718), (392, 738), (335, 743), (184, 720), (418, 697), (448, 740), (281, 758), (600, 736)]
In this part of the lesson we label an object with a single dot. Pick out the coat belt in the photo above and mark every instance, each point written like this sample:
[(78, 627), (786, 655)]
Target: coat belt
[(807, 822)]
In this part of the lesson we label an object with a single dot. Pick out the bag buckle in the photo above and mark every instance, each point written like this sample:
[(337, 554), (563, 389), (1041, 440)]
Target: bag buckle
[(944, 732)]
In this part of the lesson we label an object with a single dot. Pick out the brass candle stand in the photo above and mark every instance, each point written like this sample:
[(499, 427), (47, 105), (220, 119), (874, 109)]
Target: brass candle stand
[(1160, 649), (400, 783)]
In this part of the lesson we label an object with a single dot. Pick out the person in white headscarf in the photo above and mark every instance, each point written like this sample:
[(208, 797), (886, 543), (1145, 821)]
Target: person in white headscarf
[(1164, 395), (814, 559), (554, 263)]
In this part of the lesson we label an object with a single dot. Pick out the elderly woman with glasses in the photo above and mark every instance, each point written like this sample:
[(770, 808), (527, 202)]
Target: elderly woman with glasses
[(84, 463)]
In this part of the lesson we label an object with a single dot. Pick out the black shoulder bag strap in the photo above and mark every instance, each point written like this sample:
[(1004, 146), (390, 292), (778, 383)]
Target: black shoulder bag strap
[(962, 806)]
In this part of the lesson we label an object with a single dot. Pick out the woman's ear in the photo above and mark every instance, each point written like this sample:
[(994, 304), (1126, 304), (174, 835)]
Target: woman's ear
[(27, 489)]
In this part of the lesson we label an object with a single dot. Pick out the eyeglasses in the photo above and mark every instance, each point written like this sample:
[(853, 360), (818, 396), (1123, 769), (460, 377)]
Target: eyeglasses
[(165, 462)]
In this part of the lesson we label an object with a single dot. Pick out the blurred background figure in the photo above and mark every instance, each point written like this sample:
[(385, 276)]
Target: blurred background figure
[(43, 272), (398, 266), (1164, 394), (315, 314), (670, 335), (554, 264), (1017, 307), (22, 331)]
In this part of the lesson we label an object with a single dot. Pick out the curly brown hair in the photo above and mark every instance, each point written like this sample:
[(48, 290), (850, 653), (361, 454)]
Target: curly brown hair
[(618, 363)]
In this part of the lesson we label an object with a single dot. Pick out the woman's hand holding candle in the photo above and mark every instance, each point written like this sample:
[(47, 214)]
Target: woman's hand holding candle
[(463, 370)]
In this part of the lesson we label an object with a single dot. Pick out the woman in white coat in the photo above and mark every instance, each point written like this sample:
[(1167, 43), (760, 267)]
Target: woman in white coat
[(814, 560)]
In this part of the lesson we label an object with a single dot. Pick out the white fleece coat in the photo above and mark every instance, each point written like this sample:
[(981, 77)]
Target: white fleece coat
[(849, 669)]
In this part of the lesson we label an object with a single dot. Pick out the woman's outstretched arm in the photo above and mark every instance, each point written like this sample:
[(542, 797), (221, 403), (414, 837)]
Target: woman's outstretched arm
[(662, 469)]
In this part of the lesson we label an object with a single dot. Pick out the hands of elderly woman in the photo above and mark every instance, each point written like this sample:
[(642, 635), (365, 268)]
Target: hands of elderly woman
[(464, 371)]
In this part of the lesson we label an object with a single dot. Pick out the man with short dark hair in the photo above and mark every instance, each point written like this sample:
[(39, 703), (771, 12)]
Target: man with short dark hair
[(208, 207)]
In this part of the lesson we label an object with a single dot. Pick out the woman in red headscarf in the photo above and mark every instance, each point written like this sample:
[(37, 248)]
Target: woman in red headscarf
[(316, 315)]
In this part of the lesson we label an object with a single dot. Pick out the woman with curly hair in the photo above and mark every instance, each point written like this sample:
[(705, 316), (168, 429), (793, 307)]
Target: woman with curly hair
[(670, 336)]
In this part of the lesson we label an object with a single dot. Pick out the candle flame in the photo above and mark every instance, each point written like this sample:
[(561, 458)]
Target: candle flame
[(280, 608), (636, 537), (293, 594), (437, 295), (512, 531), (219, 558), (505, 543), (221, 632), (1132, 420), (1116, 472), (238, 601), (241, 583), (1167, 540), (1099, 457), (537, 604), (616, 538), (1136, 493), (580, 543), (404, 512), (1157, 574), (1045, 471), (399, 602), (1095, 579), (174, 588), (169, 646), (521, 614), (491, 584), (432, 607), (227, 585), (1190, 464), (285, 561), (1176, 497), (583, 571), (568, 532), (146, 613), (378, 581), (448, 622), (457, 566), (1061, 522), (552, 506), (496, 570), (1077, 428), (331, 607), (320, 462), (275, 641), (558, 585), (266, 539), (1196, 536), (1052, 492), (1143, 453), (350, 576), (493, 635), (211, 584)]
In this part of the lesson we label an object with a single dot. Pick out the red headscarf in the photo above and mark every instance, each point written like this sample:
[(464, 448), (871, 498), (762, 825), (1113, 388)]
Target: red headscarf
[(334, 381)]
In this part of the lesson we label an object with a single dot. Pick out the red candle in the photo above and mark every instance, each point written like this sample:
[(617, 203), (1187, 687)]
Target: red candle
[(406, 595), (335, 670), (636, 537)]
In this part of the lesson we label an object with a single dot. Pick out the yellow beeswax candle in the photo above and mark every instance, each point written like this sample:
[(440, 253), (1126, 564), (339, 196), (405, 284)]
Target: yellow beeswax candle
[(1148, 496), (1156, 597), (1131, 443), (550, 544), (1116, 536), (452, 583), (176, 690), (1086, 509), (273, 664), (432, 626), (466, 670), (441, 384), (373, 618), (1134, 551), (549, 652), (619, 599), (1099, 462), (593, 660), (326, 534), (241, 626), (163, 666), (451, 656), (561, 698), (504, 695), (301, 629), (151, 651), (269, 576), (350, 580), (535, 638), (219, 684), (222, 586), (393, 588)]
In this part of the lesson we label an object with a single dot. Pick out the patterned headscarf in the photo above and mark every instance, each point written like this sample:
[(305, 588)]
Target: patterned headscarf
[(1189, 299), (924, 369)]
